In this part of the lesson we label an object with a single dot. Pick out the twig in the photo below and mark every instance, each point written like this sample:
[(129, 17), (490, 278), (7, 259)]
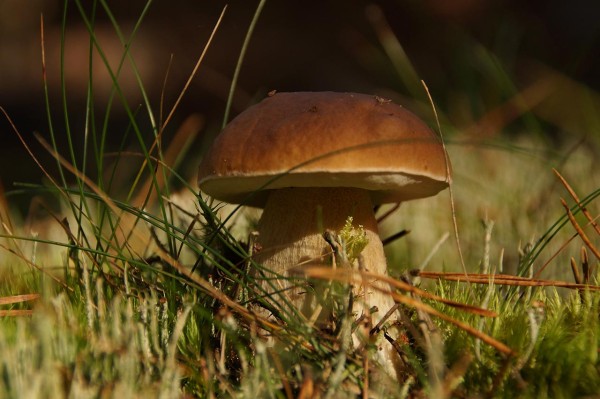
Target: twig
[(388, 213), (389, 313), (394, 237)]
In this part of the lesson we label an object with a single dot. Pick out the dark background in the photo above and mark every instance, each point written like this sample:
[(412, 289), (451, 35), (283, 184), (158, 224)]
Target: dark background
[(475, 56)]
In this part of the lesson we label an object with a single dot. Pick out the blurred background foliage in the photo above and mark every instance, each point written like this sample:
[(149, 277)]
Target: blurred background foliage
[(496, 69)]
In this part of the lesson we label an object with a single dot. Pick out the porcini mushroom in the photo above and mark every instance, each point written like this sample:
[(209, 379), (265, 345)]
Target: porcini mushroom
[(313, 159)]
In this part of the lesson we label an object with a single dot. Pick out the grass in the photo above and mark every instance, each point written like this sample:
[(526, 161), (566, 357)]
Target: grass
[(141, 288)]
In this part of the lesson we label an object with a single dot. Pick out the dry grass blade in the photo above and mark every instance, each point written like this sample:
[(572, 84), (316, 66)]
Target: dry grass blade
[(579, 230), (450, 186), (187, 131), (7, 300), (505, 279), (194, 71), (576, 198), (185, 134), (556, 253)]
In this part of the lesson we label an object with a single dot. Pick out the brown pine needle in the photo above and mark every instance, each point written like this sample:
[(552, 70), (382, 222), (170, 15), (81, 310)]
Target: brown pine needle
[(463, 326), (505, 279), (358, 277), (579, 230), (8, 300), (576, 198), (185, 134), (193, 74), (353, 276)]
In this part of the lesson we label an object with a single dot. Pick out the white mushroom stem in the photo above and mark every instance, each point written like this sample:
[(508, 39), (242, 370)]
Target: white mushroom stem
[(291, 236)]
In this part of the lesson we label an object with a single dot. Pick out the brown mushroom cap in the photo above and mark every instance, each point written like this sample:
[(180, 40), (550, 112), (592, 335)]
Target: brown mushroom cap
[(324, 139)]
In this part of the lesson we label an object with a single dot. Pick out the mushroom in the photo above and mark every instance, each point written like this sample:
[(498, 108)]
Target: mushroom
[(311, 160)]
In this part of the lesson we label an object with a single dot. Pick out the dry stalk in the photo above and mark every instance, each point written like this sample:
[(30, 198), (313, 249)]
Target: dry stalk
[(388, 213)]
